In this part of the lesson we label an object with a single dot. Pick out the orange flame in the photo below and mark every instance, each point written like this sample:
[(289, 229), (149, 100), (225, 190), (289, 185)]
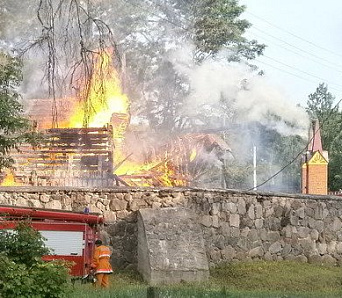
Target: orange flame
[(105, 96), (9, 179), (193, 154)]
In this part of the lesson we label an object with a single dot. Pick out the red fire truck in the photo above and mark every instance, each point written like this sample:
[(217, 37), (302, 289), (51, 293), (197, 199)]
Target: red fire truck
[(69, 235)]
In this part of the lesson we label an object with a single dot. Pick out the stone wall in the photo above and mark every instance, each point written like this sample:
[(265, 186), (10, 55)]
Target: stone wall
[(236, 225)]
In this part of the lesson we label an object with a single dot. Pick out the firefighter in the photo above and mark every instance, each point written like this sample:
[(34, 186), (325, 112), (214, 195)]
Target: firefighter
[(101, 264)]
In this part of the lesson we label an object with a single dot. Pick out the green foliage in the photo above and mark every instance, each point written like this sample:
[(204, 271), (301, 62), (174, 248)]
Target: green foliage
[(50, 279), (23, 273), (14, 128), (321, 106), (237, 174), (25, 239), (15, 279), (217, 25)]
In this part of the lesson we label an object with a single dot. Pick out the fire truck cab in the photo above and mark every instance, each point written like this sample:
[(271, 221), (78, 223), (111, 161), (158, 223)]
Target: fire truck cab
[(69, 235)]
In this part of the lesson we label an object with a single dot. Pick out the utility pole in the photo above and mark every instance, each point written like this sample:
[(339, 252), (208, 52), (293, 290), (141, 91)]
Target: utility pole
[(254, 168)]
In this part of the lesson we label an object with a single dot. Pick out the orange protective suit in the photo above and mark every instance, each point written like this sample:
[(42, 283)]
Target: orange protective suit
[(102, 265)]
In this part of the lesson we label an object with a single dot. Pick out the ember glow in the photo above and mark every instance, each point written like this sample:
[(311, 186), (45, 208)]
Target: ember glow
[(9, 179)]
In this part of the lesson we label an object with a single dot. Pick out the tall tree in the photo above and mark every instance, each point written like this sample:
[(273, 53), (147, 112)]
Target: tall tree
[(217, 26), (14, 128), (321, 106)]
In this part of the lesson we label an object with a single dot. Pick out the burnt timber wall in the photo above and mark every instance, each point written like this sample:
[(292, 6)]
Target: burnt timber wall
[(236, 225), (74, 157)]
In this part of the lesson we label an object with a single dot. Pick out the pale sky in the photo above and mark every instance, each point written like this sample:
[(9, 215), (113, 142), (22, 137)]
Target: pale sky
[(304, 44)]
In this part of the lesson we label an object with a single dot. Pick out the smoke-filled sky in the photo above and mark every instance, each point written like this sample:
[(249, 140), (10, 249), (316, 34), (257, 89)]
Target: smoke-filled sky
[(252, 97), (303, 41), (213, 80)]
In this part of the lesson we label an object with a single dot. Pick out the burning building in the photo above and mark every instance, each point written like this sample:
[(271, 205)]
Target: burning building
[(84, 142)]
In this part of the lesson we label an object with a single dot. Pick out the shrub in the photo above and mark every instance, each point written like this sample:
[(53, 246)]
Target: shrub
[(22, 271)]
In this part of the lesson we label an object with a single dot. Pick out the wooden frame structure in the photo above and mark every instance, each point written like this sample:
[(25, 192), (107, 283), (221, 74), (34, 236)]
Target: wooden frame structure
[(67, 157)]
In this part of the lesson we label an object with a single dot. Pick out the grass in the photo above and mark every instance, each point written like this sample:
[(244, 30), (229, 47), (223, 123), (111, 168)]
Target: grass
[(250, 279)]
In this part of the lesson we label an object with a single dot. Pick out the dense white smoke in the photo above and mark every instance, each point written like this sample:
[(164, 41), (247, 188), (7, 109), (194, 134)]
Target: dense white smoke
[(249, 95)]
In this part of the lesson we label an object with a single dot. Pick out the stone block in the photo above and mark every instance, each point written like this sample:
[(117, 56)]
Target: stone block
[(44, 198), (228, 253), (258, 211), (136, 204), (339, 247), (232, 208), (301, 212), (156, 205), (215, 255), (234, 220), (116, 205), (128, 197), (303, 232), (3, 199), (275, 248), (21, 201), (269, 211), (215, 208), (328, 260), (36, 203), (331, 247), (171, 246), (241, 207), (314, 234), (273, 236), (286, 250), (53, 205), (322, 248), (109, 216), (251, 212), (256, 252), (215, 220), (336, 226), (318, 211), (122, 214), (315, 259), (259, 223), (206, 221)]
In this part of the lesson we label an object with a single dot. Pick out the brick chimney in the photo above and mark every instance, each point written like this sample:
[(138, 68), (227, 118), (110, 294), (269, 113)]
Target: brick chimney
[(315, 164)]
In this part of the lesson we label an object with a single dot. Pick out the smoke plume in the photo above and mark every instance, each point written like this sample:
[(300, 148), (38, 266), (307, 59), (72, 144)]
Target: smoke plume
[(247, 94)]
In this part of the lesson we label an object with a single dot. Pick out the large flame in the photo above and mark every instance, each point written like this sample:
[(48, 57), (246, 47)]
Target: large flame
[(104, 97)]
